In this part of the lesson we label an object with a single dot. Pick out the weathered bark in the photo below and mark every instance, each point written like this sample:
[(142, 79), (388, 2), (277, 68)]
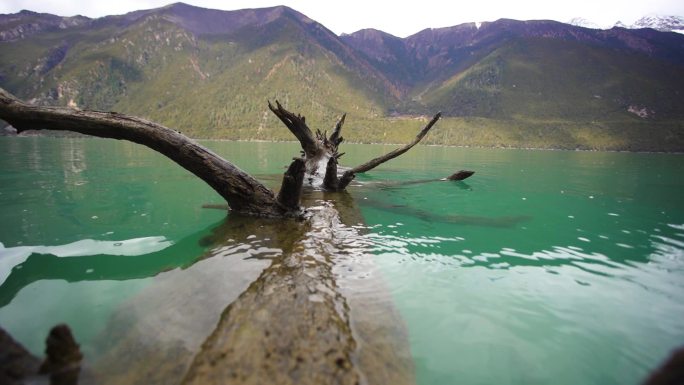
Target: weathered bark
[(318, 149), (335, 137), (331, 181), (243, 193)]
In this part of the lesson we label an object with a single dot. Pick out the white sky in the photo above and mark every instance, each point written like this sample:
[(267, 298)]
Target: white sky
[(398, 17)]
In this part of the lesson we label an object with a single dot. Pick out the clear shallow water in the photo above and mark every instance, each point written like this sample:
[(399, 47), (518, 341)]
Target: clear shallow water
[(545, 267)]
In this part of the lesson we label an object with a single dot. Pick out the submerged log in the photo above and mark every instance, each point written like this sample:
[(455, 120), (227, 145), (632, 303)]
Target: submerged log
[(285, 329), (294, 325), (306, 288)]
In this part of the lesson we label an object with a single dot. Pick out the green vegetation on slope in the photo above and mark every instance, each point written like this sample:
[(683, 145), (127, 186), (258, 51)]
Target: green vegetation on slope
[(528, 92)]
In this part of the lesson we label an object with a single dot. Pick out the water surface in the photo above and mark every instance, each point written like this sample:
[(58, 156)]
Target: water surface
[(545, 267)]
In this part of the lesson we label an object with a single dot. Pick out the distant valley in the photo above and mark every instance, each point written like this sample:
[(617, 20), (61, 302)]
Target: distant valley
[(209, 74)]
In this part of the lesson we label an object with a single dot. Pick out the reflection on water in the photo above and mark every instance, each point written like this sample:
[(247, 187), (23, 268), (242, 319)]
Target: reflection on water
[(546, 267), (586, 287), (91, 260)]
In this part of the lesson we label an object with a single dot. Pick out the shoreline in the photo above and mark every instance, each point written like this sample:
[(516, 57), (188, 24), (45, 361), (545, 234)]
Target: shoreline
[(33, 135)]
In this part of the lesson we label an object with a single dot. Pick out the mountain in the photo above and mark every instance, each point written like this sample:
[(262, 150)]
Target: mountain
[(26, 23), (661, 23), (657, 22), (209, 73), (584, 23)]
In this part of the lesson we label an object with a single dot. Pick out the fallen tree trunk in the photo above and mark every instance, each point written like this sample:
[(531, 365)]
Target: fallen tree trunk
[(308, 307), (292, 325), (243, 193), (286, 328)]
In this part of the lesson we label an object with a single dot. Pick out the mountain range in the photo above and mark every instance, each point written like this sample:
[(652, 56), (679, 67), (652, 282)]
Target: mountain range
[(209, 73), (657, 22)]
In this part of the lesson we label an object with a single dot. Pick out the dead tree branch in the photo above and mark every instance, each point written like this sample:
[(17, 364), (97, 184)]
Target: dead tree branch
[(349, 175), (243, 193), (335, 137), (297, 126)]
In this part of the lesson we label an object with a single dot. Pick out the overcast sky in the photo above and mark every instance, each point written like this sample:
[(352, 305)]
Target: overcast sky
[(400, 18)]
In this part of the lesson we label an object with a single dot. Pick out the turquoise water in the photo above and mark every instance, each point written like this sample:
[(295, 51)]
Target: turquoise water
[(544, 267)]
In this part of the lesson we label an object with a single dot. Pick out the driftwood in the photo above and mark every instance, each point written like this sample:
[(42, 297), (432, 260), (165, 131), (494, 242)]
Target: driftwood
[(292, 325)]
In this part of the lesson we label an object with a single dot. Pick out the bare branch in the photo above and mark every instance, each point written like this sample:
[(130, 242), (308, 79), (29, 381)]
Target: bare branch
[(335, 137), (297, 126), (349, 175)]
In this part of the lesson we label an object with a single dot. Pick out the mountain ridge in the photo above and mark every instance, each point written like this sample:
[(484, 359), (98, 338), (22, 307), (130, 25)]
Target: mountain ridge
[(209, 73)]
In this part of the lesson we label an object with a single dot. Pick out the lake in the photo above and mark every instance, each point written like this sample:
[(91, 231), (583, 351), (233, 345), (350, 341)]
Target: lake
[(544, 267)]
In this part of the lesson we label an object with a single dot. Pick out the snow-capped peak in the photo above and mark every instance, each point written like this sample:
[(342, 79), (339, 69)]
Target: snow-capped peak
[(661, 23), (582, 22)]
